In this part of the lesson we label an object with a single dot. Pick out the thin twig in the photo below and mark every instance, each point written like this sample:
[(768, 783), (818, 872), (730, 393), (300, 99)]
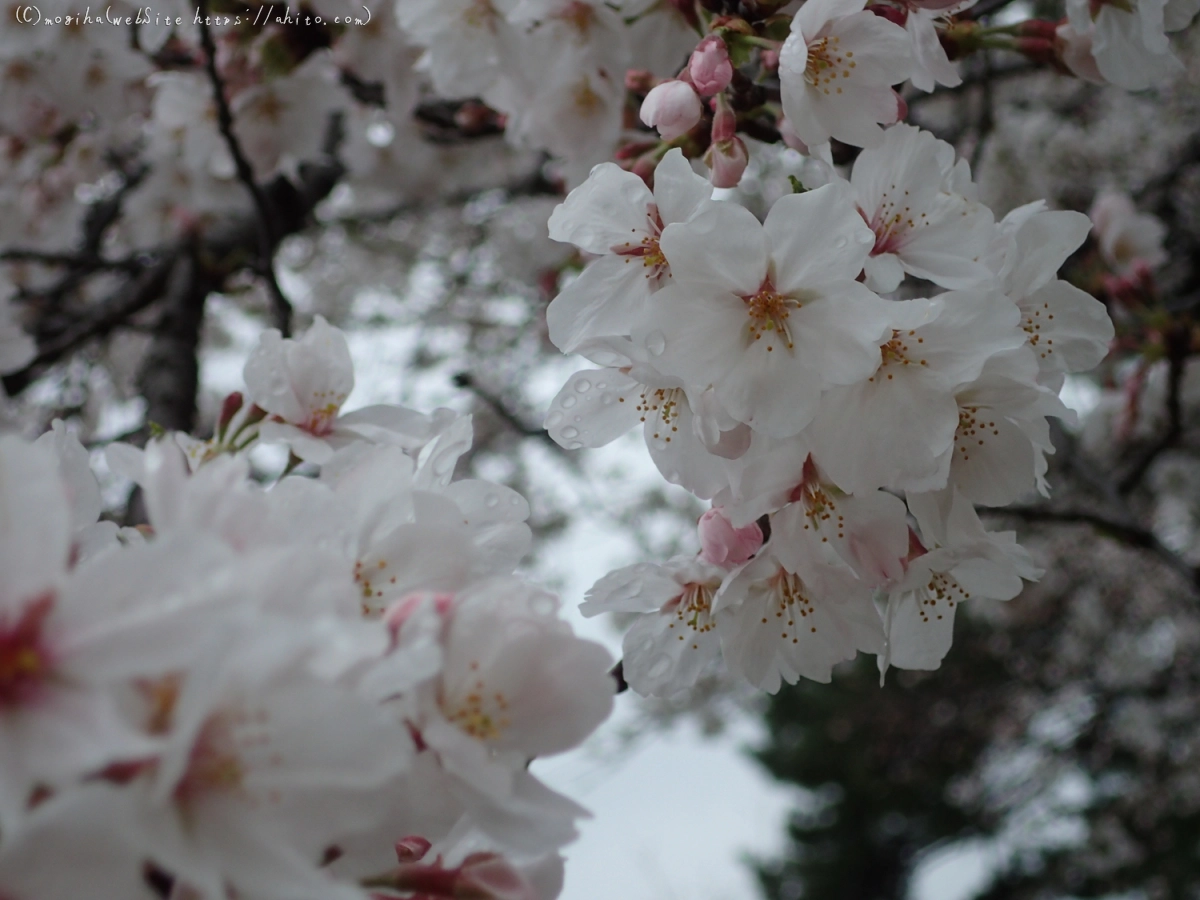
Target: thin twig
[(1126, 532), (1177, 341), (73, 260), (267, 232), (510, 418)]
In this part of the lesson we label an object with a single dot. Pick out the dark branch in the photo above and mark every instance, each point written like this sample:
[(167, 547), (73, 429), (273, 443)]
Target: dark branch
[(268, 232), (132, 297), (500, 408), (1178, 340), (73, 260), (1126, 532)]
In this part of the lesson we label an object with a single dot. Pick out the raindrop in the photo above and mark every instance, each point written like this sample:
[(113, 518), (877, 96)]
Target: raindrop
[(607, 400), (575, 445), (656, 342), (601, 385), (840, 242), (490, 501), (553, 419), (570, 432), (568, 402), (583, 385)]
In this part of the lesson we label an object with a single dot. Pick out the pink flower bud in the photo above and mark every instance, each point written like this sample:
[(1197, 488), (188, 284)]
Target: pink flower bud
[(412, 848), (893, 14), (710, 67), (673, 108), (722, 544), (229, 409), (487, 876), (727, 160)]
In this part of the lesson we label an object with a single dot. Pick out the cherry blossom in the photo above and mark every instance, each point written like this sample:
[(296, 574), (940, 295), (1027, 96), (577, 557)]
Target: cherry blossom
[(768, 314), (614, 215), (303, 383), (836, 72)]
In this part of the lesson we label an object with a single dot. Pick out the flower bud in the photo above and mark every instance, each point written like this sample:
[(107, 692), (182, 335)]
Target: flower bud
[(894, 14), (229, 409), (412, 848), (673, 108), (722, 544), (709, 67), (727, 160)]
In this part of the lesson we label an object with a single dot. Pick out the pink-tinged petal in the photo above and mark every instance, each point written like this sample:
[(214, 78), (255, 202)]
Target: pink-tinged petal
[(724, 545), (817, 234), (723, 246), (594, 408), (609, 208)]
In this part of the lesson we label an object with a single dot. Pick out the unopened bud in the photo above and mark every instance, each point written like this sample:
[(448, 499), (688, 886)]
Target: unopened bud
[(1038, 49), (1041, 28), (723, 545), (709, 66), (894, 14), (254, 415), (639, 81), (673, 107), (728, 161), (412, 848), (229, 409)]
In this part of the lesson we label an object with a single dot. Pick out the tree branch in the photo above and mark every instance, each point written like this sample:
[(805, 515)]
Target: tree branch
[(268, 232), (1178, 345), (1126, 532)]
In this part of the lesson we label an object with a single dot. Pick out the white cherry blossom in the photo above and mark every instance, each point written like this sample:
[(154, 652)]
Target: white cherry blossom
[(770, 314), (836, 71), (614, 215)]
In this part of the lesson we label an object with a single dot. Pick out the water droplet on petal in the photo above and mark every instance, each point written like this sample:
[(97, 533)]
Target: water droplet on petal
[(656, 342), (601, 385), (607, 400), (490, 501), (840, 242), (568, 402), (570, 432), (575, 445), (583, 385), (554, 419)]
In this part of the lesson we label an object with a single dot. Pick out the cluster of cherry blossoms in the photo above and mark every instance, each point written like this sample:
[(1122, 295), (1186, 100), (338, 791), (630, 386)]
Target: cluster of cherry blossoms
[(773, 374), (331, 686)]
